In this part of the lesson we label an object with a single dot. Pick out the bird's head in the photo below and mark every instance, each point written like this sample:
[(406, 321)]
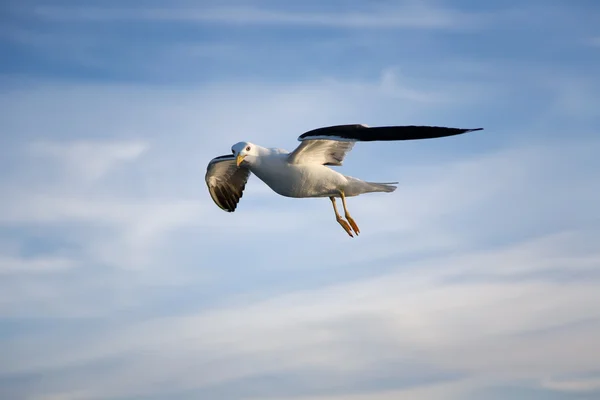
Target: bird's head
[(245, 152)]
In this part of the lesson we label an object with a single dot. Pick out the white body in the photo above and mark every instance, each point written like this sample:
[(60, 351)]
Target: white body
[(272, 166), (297, 180)]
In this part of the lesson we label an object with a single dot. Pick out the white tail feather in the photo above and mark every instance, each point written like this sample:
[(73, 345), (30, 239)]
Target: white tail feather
[(357, 186)]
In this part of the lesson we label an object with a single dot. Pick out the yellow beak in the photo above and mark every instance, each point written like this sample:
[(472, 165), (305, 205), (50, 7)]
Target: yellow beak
[(239, 159)]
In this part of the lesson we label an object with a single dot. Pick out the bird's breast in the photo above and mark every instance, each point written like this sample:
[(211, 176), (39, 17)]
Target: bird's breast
[(294, 180), (280, 176)]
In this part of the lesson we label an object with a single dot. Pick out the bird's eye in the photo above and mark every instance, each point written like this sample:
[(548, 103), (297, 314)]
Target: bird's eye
[(248, 148)]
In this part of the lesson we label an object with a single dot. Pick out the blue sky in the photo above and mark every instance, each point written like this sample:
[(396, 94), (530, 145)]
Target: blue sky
[(120, 279)]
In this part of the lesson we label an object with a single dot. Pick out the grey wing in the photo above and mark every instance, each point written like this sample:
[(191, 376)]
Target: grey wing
[(321, 151), (329, 145), (226, 181)]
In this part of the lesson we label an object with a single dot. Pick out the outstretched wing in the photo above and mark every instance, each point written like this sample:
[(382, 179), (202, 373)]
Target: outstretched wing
[(226, 181), (329, 145), (321, 151)]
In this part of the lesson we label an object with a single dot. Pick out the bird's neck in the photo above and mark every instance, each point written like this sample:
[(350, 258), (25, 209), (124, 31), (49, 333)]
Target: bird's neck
[(262, 151), (263, 158), (257, 158)]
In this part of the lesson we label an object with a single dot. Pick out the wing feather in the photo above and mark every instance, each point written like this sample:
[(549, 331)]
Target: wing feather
[(363, 133), (329, 145), (321, 151), (226, 182)]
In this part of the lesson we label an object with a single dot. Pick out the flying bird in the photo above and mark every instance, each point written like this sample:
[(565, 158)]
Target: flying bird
[(305, 171)]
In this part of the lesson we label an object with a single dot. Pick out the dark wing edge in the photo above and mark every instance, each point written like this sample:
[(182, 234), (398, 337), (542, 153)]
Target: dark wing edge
[(363, 133), (226, 181)]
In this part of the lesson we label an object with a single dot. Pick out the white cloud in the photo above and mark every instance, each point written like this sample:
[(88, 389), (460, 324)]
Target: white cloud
[(17, 265), (462, 258), (437, 391), (460, 307), (573, 385), (485, 330), (91, 160), (396, 86), (412, 16), (68, 395)]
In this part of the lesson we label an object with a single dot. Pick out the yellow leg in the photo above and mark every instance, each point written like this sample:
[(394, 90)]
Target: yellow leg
[(339, 219), (347, 215)]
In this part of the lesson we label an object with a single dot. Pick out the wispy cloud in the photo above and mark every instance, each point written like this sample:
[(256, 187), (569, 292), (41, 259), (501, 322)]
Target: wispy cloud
[(315, 330), (14, 265), (91, 160), (446, 260), (412, 15), (573, 385), (121, 278), (139, 216)]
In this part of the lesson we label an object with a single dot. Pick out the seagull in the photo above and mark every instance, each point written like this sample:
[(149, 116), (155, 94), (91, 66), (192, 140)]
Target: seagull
[(305, 172)]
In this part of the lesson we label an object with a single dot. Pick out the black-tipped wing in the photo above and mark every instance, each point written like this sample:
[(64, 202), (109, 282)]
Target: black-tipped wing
[(329, 145), (363, 133), (226, 181)]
